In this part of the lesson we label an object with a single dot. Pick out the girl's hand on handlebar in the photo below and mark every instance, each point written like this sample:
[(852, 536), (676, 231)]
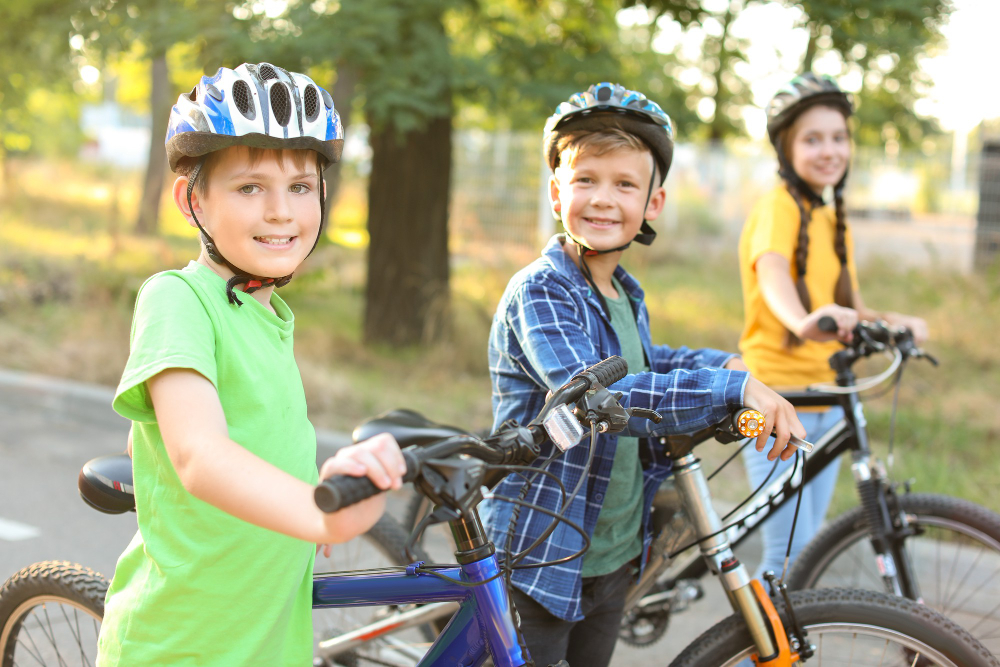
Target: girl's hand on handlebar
[(846, 319), (916, 325), (779, 418)]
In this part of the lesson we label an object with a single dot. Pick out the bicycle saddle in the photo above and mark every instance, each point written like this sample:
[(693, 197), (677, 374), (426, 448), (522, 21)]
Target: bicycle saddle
[(407, 426), (106, 484)]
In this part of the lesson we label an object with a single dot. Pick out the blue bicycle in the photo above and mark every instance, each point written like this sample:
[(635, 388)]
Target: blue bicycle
[(773, 629)]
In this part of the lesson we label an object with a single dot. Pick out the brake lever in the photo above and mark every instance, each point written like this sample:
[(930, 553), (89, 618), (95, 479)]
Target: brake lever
[(600, 408), (643, 413)]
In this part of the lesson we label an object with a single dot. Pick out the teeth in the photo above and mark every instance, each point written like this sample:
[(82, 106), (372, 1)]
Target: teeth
[(273, 241)]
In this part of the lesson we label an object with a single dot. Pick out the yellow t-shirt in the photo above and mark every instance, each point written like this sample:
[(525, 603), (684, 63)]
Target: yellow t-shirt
[(773, 226)]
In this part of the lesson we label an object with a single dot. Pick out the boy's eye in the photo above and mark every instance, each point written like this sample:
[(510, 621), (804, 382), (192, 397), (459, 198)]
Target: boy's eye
[(627, 184), (248, 189), (299, 188)]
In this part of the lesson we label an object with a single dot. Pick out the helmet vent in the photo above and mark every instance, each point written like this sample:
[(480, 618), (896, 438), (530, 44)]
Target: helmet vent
[(311, 99), (267, 72), (281, 103), (242, 99)]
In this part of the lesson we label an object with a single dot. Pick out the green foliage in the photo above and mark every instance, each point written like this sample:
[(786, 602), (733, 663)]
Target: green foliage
[(36, 59), (883, 38)]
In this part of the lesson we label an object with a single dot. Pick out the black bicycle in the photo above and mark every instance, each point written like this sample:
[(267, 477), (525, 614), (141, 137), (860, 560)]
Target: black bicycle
[(938, 550)]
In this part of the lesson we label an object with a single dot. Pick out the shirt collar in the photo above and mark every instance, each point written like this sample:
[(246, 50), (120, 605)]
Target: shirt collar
[(562, 263)]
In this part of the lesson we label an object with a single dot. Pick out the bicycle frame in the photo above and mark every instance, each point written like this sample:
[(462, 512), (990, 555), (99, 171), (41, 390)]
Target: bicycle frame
[(848, 434), (481, 627)]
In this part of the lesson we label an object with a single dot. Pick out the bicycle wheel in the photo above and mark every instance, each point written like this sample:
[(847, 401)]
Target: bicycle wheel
[(50, 614), (847, 627), (382, 546), (955, 555)]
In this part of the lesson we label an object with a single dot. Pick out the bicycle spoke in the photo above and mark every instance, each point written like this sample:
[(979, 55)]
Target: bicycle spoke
[(36, 653), (52, 637), (968, 571)]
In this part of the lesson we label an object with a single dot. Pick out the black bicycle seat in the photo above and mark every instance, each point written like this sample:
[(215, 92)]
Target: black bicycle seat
[(407, 426), (106, 484)]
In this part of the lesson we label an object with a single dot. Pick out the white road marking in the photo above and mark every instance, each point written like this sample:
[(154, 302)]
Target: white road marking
[(12, 531)]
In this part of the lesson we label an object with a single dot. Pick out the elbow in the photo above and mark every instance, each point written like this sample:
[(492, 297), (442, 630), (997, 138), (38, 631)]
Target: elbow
[(185, 461)]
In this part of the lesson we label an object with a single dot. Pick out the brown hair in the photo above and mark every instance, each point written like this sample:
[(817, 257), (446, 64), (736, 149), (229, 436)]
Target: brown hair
[(255, 155), (573, 145), (843, 292)]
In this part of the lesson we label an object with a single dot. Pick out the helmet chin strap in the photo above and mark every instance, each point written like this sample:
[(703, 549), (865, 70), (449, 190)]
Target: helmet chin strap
[(240, 277)]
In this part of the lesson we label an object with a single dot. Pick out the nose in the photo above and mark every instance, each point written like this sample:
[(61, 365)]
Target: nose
[(601, 195), (279, 209)]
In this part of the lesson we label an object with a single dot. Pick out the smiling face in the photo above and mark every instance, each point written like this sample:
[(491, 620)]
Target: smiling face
[(601, 198), (820, 146), (264, 215)]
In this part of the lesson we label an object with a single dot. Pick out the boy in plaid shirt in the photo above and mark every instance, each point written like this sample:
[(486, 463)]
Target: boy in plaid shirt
[(609, 149)]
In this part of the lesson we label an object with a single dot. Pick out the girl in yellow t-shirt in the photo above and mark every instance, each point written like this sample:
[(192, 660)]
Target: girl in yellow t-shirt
[(797, 265)]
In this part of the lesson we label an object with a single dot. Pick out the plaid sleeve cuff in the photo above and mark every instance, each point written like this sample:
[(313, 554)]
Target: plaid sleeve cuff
[(728, 388)]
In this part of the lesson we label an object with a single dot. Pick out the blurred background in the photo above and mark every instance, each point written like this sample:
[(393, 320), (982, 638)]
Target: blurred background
[(440, 196)]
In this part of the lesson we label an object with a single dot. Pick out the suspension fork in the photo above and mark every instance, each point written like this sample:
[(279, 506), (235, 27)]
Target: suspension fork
[(887, 525), (746, 599)]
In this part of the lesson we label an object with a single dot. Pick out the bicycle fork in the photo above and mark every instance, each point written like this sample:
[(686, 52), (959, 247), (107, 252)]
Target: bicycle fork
[(885, 532), (746, 595)]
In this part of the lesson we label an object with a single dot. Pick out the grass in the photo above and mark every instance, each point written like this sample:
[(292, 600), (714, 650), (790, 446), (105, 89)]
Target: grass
[(69, 273)]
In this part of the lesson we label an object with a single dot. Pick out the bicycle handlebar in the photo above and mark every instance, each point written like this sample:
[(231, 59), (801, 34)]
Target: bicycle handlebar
[(341, 491), (869, 337)]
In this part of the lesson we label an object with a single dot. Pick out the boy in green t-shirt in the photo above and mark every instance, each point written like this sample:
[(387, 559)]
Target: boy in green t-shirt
[(224, 457)]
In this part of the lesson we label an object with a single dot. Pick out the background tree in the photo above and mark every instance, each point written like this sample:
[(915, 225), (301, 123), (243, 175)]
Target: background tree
[(39, 73), (111, 28), (881, 38), (415, 63)]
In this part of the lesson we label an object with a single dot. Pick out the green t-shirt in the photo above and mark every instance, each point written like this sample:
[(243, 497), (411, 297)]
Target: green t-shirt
[(616, 539), (197, 586)]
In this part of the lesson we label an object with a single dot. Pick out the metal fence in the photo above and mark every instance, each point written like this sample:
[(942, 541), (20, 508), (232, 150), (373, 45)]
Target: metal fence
[(500, 201)]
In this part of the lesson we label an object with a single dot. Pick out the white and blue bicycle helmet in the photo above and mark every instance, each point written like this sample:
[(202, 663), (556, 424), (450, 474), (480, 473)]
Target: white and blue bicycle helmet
[(262, 106)]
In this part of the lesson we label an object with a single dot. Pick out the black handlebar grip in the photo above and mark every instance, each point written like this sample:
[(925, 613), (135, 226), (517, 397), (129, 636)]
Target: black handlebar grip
[(609, 371), (340, 491), (827, 324)]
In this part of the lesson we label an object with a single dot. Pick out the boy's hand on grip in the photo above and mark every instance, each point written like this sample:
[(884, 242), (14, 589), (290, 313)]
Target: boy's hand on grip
[(377, 458), (779, 416)]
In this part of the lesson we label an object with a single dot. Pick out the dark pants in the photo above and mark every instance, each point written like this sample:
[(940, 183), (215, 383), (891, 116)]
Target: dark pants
[(586, 643)]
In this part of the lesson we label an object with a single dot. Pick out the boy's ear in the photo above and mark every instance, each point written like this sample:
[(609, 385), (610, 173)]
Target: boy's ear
[(180, 200), (656, 203), (554, 194)]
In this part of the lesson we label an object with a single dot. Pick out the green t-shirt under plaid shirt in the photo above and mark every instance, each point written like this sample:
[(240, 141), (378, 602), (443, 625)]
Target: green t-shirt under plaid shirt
[(197, 586), (617, 539)]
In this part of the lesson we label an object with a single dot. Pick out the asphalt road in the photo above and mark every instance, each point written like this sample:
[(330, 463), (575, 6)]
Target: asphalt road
[(49, 428)]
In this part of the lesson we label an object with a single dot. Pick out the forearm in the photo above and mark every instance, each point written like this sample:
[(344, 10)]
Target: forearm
[(781, 297), (227, 476)]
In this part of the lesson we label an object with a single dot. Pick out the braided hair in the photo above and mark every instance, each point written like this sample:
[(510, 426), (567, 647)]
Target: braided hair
[(800, 94)]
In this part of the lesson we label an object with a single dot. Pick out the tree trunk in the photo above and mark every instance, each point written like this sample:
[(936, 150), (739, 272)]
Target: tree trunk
[(717, 130), (156, 167), (810, 54), (407, 292)]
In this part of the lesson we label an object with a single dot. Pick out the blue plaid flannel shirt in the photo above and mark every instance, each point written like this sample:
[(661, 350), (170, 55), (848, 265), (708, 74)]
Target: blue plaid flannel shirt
[(548, 327)]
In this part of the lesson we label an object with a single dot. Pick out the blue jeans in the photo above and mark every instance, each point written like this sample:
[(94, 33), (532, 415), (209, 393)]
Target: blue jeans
[(815, 496)]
